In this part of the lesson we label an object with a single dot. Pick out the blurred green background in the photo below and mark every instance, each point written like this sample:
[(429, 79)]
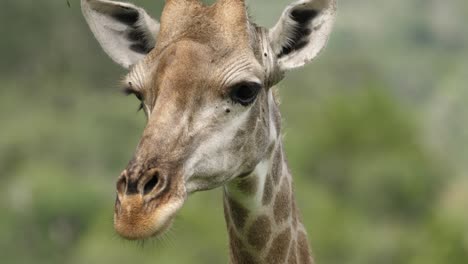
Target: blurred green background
[(376, 131)]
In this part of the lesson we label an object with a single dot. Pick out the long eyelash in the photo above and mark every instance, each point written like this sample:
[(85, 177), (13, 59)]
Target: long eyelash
[(129, 91), (141, 107)]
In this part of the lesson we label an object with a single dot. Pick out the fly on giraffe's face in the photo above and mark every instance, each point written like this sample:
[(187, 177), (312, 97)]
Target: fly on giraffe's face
[(203, 76)]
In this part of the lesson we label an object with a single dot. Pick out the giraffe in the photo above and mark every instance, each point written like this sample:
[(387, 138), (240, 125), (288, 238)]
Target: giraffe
[(205, 78)]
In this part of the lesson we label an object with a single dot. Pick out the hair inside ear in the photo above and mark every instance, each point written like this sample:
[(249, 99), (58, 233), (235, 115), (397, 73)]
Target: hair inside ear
[(298, 38), (302, 32), (126, 32), (126, 15), (135, 34)]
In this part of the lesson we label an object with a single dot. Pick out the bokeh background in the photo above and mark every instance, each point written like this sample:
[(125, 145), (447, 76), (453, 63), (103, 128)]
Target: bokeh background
[(376, 132)]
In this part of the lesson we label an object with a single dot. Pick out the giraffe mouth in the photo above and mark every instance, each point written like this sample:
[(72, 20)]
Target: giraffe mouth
[(137, 219)]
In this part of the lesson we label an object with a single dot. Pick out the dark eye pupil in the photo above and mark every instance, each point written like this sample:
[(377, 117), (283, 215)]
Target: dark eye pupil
[(245, 93)]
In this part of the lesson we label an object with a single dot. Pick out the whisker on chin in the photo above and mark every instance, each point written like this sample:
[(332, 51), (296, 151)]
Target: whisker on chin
[(170, 236), (141, 243)]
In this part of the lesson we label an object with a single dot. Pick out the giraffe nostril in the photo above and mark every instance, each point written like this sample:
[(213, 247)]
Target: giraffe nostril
[(121, 185), (149, 186)]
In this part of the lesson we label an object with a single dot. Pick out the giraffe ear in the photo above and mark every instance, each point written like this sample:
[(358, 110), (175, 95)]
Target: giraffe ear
[(126, 32), (302, 32)]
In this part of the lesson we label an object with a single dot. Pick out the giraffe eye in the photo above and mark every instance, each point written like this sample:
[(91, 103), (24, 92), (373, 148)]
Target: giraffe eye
[(245, 93)]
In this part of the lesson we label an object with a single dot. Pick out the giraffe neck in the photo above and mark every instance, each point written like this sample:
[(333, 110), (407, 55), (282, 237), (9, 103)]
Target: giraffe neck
[(261, 215)]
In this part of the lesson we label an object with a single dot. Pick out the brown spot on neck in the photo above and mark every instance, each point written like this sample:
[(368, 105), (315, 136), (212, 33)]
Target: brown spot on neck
[(279, 248), (259, 232), (303, 249), (239, 253), (282, 206), (238, 213)]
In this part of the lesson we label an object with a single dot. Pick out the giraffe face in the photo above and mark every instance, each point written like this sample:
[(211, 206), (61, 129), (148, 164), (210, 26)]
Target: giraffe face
[(202, 93), (204, 127), (202, 76)]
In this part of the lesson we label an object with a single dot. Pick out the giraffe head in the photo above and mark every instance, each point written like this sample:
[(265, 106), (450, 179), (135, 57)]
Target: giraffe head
[(203, 76)]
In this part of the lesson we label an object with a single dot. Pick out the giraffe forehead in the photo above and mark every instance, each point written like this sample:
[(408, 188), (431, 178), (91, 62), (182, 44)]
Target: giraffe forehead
[(222, 23), (184, 61), (187, 69)]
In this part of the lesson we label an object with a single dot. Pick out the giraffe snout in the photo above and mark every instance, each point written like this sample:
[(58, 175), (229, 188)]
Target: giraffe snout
[(146, 202), (147, 184)]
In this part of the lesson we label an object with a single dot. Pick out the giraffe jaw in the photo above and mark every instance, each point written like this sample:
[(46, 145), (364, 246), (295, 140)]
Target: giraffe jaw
[(135, 219)]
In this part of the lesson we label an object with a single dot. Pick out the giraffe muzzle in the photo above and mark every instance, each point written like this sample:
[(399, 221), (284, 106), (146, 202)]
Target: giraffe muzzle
[(146, 204)]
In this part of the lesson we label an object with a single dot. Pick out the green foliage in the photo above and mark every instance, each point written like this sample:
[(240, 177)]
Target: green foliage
[(375, 132)]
